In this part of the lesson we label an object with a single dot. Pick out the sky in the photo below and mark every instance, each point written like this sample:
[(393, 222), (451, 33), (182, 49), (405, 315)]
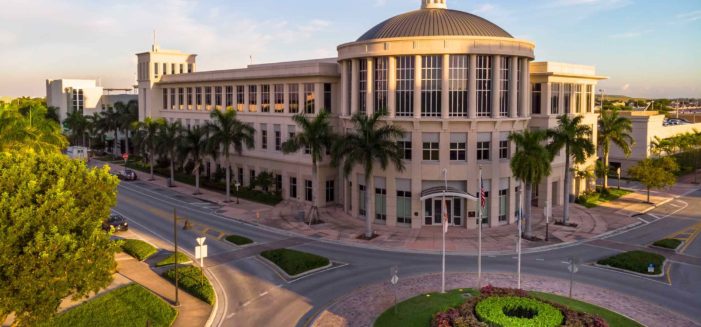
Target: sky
[(648, 48)]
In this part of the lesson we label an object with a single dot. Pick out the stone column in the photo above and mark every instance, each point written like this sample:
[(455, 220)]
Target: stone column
[(513, 87), (319, 98), (369, 98), (392, 90), (245, 97), (391, 196), (417, 86), (472, 86), (302, 98), (344, 90), (513, 201), (445, 87), (355, 74), (525, 88), (546, 95), (496, 86), (286, 97)]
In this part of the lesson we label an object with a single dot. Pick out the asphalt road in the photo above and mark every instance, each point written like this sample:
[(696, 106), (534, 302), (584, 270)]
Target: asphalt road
[(250, 293)]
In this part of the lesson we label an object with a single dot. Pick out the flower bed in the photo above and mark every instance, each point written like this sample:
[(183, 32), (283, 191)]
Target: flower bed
[(517, 311)]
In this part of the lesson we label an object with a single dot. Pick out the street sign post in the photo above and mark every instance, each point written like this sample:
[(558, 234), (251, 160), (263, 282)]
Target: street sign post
[(572, 267), (125, 156), (393, 272), (201, 253), (651, 268)]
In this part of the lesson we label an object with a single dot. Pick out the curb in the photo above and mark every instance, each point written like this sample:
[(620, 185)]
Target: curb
[(289, 278), (661, 274)]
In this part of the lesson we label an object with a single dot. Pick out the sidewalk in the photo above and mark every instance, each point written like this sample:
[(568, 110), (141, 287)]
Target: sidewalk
[(339, 226)]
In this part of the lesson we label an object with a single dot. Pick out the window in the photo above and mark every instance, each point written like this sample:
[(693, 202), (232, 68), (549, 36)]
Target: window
[(484, 86), (218, 98), (308, 190), (189, 98), (208, 97), (503, 204), (198, 97), (240, 97), (330, 192), (588, 98), (278, 139), (252, 175), (578, 98), (252, 98), (294, 98), (349, 86), (172, 99), (519, 69), (265, 98), (155, 69), (361, 200), (293, 187), (431, 85), (555, 99), (504, 79), (328, 103), (172, 68), (503, 149), (405, 86), (264, 136), (181, 98), (189, 68), (309, 100), (381, 204), (458, 147), (362, 86), (182, 68), (459, 73), (165, 99), (483, 145), (381, 83), (229, 97), (405, 146), (78, 100), (279, 90), (431, 147), (240, 180), (567, 99), (278, 182), (404, 207), (165, 69), (535, 97)]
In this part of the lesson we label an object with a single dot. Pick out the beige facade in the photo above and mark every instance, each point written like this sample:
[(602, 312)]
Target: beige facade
[(457, 95)]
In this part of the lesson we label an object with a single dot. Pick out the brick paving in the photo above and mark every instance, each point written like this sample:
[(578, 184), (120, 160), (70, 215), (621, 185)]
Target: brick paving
[(362, 307)]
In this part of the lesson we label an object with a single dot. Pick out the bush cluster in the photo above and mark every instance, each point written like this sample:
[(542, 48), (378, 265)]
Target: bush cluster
[(138, 249), (239, 240), (295, 262), (636, 261), (182, 258), (669, 243), (192, 281), (504, 311), (467, 314)]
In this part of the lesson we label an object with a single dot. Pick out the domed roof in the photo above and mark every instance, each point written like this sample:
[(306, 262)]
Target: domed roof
[(434, 22)]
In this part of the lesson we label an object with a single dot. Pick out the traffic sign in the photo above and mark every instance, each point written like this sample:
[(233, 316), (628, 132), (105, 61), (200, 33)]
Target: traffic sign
[(651, 268), (200, 252), (200, 240), (394, 280), (125, 156)]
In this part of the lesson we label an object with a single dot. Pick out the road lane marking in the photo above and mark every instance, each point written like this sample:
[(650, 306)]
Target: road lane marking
[(539, 259), (263, 294)]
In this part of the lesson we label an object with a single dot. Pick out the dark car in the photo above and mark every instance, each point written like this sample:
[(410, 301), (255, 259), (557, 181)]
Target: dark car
[(127, 175), (115, 221)]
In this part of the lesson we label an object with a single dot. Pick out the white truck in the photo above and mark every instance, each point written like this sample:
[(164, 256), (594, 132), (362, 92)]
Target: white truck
[(78, 153)]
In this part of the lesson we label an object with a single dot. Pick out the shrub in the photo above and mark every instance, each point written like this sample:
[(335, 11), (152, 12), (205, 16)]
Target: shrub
[(636, 261), (192, 281), (171, 260), (138, 249), (295, 262), (506, 311), (490, 290), (669, 243), (239, 240)]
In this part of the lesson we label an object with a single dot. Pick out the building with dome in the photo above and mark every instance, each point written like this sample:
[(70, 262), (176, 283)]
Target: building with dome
[(457, 84)]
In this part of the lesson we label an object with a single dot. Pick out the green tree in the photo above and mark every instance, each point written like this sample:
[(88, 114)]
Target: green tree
[(530, 164), (19, 132), (78, 125), (168, 140), (51, 242), (148, 134), (264, 180), (193, 147), (575, 138), (655, 173), (95, 129), (226, 132), (110, 121), (128, 114), (371, 141), (317, 136), (613, 129)]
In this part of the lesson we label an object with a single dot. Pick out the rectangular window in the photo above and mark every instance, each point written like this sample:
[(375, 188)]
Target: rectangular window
[(278, 183), (459, 89), (484, 86), (578, 98), (362, 86), (308, 190), (252, 175), (240, 97), (555, 99), (567, 98), (309, 98), (265, 98), (405, 147), (349, 86), (229, 104), (381, 83), (253, 98), (535, 97), (198, 97), (381, 204), (483, 146), (189, 68), (431, 147), (404, 207), (519, 69), (361, 200), (328, 100), (405, 86), (181, 98), (458, 151), (208, 97), (264, 136), (165, 69), (590, 89), (172, 68), (330, 192), (503, 149), (278, 139), (155, 69), (294, 98), (431, 85), (293, 187), (503, 204), (279, 90), (165, 99), (504, 79), (189, 98), (218, 97), (172, 98), (240, 173)]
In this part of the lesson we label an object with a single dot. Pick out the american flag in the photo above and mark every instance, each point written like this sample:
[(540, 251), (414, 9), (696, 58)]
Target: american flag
[(483, 195), (445, 217)]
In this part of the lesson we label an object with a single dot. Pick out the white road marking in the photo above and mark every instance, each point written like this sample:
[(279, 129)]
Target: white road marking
[(263, 294), (245, 304), (539, 259)]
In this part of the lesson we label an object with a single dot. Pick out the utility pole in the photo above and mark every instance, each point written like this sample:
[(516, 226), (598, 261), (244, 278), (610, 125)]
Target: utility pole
[(175, 241)]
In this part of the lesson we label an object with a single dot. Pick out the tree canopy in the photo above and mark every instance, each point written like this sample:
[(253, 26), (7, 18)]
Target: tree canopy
[(51, 242), (655, 173)]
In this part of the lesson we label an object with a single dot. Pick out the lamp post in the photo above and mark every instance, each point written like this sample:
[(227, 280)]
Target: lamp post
[(547, 219), (618, 172), (175, 241), (237, 185)]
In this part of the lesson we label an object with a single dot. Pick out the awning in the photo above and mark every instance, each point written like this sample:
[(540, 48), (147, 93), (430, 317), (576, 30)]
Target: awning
[(439, 191)]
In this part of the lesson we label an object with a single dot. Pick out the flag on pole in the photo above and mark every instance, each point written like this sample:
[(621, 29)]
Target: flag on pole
[(483, 195), (445, 217)]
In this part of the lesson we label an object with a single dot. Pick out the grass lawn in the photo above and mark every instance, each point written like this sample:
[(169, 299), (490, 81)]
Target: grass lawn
[(171, 260), (636, 261), (611, 317), (668, 243), (595, 199), (418, 311), (131, 305), (295, 262), (239, 240), (191, 280), (138, 249)]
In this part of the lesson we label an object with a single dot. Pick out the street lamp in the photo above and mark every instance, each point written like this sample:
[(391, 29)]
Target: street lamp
[(618, 172), (237, 185)]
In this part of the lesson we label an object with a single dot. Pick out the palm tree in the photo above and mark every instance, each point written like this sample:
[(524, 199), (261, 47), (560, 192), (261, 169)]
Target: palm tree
[(168, 140), (530, 164), (95, 128), (316, 136), (614, 129), (585, 174), (110, 118), (193, 147), (227, 131), (148, 134), (371, 141), (575, 138), (78, 124), (128, 114), (31, 130)]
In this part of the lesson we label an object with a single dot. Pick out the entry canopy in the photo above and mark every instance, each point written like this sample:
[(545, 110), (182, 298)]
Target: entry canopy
[(439, 191)]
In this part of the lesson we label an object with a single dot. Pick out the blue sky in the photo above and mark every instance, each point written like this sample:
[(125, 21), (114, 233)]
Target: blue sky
[(647, 47)]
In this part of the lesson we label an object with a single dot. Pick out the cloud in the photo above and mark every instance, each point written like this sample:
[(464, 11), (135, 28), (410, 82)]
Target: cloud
[(484, 8), (590, 4), (625, 87), (690, 16)]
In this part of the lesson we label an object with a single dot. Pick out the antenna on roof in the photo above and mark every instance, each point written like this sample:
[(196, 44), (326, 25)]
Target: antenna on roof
[(251, 57), (154, 46)]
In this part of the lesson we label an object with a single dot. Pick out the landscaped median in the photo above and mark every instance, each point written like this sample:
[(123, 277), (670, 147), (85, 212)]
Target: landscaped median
[(192, 280), (131, 305), (636, 261), (594, 199), (138, 249), (295, 263), (668, 243), (170, 260), (238, 240)]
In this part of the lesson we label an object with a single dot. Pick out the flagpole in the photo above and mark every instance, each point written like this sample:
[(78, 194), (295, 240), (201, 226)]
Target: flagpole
[(479, 233), (445, 229), (518, 246)]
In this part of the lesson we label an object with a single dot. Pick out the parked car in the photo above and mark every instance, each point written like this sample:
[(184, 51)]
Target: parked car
[(127, 175), (115, 221)]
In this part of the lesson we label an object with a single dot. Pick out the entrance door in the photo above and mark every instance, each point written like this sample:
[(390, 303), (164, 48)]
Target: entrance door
[(438, 211)]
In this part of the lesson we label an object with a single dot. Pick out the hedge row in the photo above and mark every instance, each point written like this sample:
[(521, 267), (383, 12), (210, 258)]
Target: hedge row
[(295, 262), (182, 258), (191, 280), (637, 261), (138, 249), (238, 240), (669, 243)]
